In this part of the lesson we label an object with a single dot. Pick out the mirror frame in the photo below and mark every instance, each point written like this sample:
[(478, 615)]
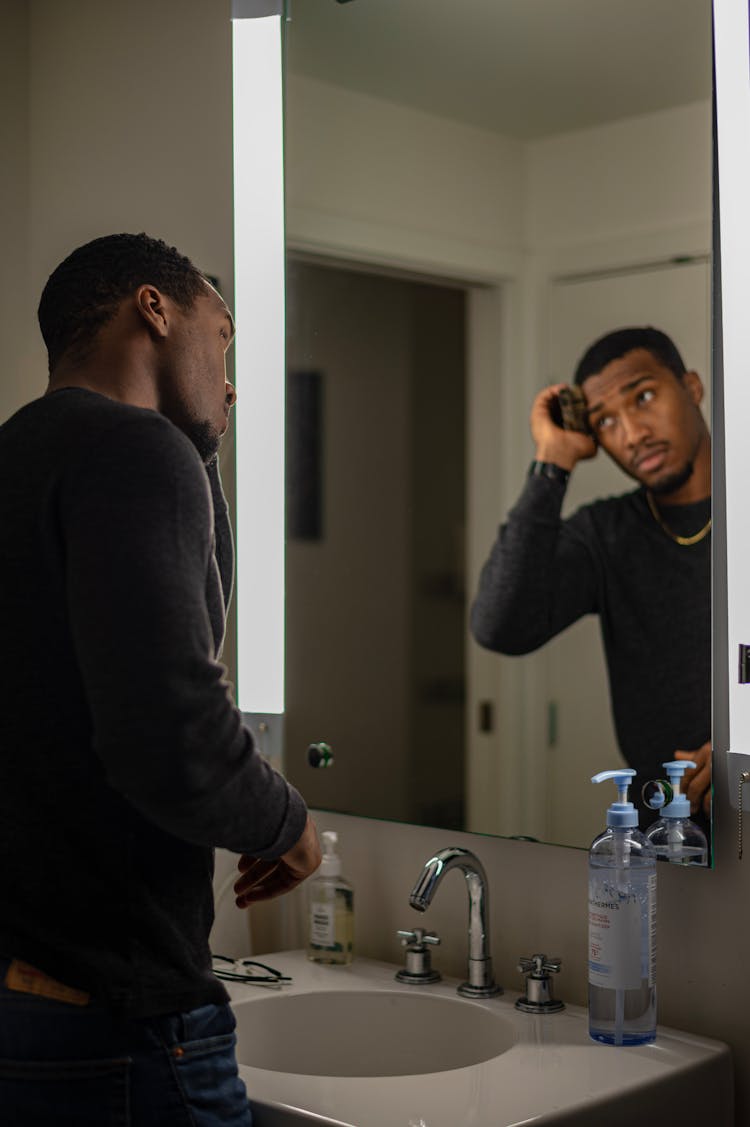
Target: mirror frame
[(732, 390)]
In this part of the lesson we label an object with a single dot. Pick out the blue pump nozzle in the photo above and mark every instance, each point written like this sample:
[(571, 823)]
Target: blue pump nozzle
[(621, 813), (679, 807)]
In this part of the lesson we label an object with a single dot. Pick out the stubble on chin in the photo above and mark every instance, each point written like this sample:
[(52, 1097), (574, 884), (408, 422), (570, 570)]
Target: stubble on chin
[(672, 482), (205, 438)]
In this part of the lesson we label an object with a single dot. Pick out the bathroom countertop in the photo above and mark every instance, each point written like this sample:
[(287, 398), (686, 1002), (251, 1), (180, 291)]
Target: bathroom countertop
[(553, 1073)]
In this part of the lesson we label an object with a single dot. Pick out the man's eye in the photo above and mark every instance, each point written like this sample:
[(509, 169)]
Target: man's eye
[(646, 395), (604, 422)]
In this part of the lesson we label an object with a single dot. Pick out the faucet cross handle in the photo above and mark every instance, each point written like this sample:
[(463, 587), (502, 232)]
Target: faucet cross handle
[(538, 998), (418, 937), (418, 969), (539, 966)]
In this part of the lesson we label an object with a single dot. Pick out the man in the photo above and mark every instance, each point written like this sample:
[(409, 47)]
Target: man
[(640, 561), (123, 760)]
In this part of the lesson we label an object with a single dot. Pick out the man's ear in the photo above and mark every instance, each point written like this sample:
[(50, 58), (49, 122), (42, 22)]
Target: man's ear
[(694, 385), (152, 307)]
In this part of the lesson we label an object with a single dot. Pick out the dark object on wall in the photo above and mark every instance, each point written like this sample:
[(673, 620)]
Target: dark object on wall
[(304, 458)]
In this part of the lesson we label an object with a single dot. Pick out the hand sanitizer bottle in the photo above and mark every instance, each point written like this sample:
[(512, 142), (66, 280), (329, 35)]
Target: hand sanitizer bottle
[(674, 837), (622, 925), (331, 937)]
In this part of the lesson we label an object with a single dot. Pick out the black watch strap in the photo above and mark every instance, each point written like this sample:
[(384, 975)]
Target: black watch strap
[(550, 470)]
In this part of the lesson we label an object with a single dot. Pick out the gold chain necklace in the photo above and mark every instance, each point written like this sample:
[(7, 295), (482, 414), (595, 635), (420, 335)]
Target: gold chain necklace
[(685, 541)]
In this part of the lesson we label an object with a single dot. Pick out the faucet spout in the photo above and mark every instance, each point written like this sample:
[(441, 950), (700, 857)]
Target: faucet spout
[(481, 982)]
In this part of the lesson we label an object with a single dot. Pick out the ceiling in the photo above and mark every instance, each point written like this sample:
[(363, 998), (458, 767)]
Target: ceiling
[(521, 68)]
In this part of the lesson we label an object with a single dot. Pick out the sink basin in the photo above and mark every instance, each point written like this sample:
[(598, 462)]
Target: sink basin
[(368, 1033), (351, 1047)]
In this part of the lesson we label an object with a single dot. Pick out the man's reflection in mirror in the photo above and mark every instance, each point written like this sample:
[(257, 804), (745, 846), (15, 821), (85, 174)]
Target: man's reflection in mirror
[(641, 561)]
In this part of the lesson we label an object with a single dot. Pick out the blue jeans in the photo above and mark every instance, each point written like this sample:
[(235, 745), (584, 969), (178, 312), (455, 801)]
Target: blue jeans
[(63, 1065)]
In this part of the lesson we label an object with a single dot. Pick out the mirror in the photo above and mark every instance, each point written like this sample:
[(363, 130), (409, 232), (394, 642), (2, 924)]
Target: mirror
[(475, 192)]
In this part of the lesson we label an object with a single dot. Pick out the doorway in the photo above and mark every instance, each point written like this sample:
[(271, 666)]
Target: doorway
[(376, 592)]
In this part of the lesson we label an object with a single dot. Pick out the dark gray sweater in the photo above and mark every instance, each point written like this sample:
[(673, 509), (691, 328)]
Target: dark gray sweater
[(123, 760), (652, 595)]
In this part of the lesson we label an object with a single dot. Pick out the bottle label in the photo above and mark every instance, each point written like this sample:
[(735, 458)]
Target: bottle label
[(622, 943), (322, 924)]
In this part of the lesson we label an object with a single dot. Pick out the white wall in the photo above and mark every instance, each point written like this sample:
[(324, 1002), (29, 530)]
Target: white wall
[(131, 119), (130, 129), (642, 176), (452, 192), (16, 300)]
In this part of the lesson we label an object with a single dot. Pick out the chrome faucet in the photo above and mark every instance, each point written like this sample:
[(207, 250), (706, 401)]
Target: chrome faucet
[(481, 983)]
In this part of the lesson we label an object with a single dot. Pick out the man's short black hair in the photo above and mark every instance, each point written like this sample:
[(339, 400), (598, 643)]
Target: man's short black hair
[(617, 344), (84, 292)]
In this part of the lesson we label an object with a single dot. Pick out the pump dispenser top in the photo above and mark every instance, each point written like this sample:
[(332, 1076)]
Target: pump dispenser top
[(330, 865), (679, 806), (621, 813)]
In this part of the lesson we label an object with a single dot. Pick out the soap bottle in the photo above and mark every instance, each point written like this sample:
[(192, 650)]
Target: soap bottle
[(622, 925), (674, 837), (331, 938)]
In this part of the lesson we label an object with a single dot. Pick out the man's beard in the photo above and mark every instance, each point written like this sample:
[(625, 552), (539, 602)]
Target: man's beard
[(672, 482), (204, 437)]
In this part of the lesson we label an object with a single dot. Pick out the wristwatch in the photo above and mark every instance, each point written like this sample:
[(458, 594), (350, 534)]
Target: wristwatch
[(550, 470)]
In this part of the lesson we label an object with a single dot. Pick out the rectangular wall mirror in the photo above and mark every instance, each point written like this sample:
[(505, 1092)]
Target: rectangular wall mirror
[(475, 192)]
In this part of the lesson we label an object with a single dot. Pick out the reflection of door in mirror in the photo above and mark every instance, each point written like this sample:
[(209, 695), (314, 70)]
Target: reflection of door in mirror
[(375, 587), (676, 299)]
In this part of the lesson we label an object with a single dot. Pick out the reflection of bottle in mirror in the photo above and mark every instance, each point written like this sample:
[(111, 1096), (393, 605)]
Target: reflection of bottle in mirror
[(331, 938), (622, 925), (674, 837)]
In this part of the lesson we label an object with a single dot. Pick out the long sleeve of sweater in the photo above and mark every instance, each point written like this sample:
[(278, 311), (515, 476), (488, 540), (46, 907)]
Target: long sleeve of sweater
[(540, 575), (143, 595)]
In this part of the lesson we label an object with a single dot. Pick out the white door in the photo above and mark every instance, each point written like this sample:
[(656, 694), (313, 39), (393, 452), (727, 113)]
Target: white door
[(675, 299)]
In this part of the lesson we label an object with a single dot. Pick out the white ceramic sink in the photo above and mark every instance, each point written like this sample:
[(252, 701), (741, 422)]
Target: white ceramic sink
[(351, 1047), (369, 1033)]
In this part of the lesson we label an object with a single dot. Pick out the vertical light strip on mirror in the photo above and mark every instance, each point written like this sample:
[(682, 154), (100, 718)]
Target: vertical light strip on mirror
[(732, 63), (259, 352)]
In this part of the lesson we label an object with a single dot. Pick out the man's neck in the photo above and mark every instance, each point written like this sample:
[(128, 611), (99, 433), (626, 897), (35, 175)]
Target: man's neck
[(106, 376)]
